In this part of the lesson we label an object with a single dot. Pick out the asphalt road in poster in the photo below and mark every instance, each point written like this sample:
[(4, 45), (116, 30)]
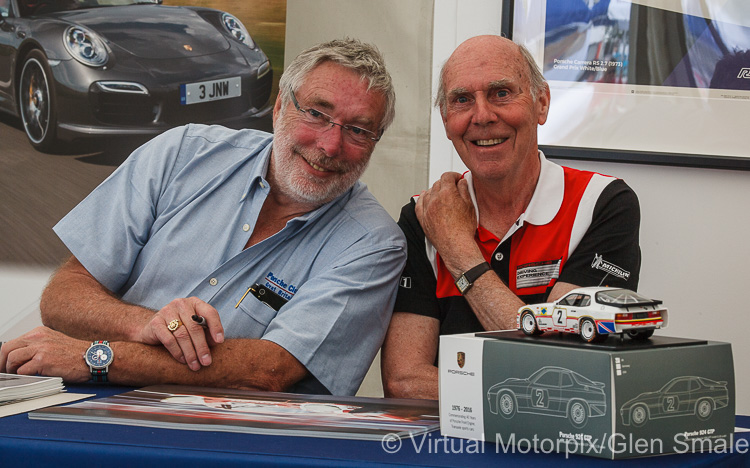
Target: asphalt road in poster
[(38, 189)]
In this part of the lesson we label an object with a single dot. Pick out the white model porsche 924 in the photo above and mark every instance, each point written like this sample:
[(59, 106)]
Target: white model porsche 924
[(595, 313)]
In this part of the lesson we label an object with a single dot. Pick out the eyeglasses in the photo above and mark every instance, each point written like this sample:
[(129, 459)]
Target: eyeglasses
[(320, 120)]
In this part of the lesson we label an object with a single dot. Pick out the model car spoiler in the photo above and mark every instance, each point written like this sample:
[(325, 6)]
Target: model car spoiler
[(623, 298), (653, 302)]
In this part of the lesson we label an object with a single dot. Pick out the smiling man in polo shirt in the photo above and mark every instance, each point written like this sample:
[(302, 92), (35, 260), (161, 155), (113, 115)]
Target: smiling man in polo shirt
[(515, 229)]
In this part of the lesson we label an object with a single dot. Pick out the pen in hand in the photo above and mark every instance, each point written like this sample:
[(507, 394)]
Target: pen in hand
[(200, 320)]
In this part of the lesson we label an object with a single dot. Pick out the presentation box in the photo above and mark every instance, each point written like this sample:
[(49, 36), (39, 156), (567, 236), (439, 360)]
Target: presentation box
[(617, 399)]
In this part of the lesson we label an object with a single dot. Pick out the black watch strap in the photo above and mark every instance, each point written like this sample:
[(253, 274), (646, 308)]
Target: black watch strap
[(466, 281)]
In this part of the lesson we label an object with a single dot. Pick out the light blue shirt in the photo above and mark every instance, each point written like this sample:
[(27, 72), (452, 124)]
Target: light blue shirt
[(173, 219)]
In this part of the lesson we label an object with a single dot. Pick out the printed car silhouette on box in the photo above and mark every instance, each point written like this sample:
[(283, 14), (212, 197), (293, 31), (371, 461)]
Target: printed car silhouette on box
[(681, 396), (552, 391), (594, 313)]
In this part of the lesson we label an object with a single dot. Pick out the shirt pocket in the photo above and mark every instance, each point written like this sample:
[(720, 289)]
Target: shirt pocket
[(257, 311)]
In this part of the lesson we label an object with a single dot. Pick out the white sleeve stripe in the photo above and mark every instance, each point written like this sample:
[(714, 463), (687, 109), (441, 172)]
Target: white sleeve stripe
[(585, 213), (431, 255)]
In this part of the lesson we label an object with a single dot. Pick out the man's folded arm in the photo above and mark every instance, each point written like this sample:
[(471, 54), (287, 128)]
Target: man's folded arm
[(408, 357), (238, 363), (76, 304)]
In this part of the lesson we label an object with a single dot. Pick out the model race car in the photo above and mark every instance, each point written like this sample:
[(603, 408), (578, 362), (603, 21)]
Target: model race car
[(595, 313)]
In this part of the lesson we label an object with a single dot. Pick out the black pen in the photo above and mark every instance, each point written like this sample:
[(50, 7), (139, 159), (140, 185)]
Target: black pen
[(200, 320)]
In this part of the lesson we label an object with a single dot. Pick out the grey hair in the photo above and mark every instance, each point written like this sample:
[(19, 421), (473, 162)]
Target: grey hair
[(536, 79), (363, 58)]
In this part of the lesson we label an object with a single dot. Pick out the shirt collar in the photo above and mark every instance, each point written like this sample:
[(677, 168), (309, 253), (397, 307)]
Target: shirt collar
[(548, 194), (546, 200), (259, 171)]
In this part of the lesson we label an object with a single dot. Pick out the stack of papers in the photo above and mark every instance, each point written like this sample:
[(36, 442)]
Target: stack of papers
[(15, 388)]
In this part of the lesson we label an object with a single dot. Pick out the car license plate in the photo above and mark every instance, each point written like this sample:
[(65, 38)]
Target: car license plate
[(204, 91)]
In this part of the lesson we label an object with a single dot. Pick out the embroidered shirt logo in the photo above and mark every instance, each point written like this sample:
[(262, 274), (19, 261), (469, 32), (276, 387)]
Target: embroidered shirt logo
[(534, 274), (405, 282), (280, 287), (600, 264)]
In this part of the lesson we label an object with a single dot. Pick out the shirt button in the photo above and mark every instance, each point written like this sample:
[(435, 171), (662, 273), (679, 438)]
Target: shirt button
[(499, 257), (246, 227), (213, 281)]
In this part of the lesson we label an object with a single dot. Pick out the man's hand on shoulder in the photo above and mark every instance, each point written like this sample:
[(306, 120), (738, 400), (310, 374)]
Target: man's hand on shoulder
[(447, 216), (46, 352), (185, 338)]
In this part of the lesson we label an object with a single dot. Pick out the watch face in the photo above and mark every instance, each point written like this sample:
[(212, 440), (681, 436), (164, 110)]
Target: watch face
[(462, 284), (99, 356)]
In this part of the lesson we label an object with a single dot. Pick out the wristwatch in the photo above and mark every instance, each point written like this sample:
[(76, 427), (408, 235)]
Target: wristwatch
[(99, 356), (466, 281)]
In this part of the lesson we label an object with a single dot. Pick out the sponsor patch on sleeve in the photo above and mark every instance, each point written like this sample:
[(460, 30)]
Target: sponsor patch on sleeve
[(610, 268)]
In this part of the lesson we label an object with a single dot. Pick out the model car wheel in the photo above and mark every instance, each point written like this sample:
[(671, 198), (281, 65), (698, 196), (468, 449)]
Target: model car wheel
[(638, 415), (704, 409), (588, 331), (640, 335), (506, 405), (578, 412), (528, 324), (37, 101)]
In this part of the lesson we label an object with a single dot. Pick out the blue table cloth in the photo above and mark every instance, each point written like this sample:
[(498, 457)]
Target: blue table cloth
[(27, 442)]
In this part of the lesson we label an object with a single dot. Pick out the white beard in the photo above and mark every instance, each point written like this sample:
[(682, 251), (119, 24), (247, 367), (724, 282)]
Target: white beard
[(303, 187)]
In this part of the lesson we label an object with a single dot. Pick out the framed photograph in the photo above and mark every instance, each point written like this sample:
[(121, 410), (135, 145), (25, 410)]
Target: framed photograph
[(647, 81)]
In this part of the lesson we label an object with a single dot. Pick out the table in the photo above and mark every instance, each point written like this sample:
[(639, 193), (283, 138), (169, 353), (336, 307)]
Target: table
[(25, 442)]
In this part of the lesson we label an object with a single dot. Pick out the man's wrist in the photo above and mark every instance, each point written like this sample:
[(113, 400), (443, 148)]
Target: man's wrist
[(467, 279), (463, 264), (98, 357), (140, 319)]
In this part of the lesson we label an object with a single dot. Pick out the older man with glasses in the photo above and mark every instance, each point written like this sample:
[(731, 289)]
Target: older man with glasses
[(235, 258)]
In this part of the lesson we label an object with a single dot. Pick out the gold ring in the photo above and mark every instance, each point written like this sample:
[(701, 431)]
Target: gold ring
[(174, 325)]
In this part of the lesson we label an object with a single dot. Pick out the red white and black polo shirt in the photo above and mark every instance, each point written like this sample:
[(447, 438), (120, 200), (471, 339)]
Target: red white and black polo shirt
[(580, 228)]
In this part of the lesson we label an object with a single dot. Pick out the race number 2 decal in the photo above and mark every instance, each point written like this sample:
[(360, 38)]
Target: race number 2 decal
[(559, 317)]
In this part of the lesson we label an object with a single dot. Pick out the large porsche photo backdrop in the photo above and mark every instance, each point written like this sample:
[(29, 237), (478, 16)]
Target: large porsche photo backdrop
[(84, 81), (78, 69)]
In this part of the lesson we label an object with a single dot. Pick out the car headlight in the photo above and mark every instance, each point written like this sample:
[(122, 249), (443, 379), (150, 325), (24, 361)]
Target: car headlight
[(85, 46), (237, 30)]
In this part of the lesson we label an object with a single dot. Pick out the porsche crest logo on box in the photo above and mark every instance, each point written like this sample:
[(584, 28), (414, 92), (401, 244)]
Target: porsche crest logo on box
[(461, 359)]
